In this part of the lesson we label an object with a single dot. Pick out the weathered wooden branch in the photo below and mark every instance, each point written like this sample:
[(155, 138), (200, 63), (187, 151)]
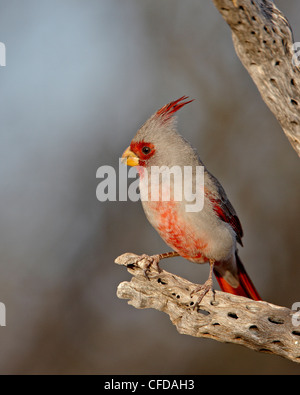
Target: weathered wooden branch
[(260, 326), (263, 40)]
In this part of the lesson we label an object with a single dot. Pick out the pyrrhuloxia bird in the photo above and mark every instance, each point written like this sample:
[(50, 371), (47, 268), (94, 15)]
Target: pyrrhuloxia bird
[(210, 235)]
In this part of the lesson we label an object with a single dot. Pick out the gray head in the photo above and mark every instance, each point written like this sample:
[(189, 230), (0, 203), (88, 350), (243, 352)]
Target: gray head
[(157, 142)]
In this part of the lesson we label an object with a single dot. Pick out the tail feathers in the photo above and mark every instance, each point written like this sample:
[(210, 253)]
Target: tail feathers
[(245, 288)]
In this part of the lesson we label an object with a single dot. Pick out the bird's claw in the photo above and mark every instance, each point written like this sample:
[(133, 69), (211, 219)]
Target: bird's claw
[(151, 261), (201, 291)]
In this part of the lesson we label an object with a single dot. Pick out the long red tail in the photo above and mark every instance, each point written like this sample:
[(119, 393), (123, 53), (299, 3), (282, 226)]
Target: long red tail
[(246, 287)]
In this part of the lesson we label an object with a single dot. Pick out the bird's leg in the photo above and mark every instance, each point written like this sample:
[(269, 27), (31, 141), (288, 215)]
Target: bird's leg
[(203, 289), (165, 255), (153, 260)]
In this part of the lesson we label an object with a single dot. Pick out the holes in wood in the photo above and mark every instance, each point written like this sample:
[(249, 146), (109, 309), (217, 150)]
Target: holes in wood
[(296, 333), (177, 296), (294, 102), (160, 281), (278, 343), (233, 315), (203, 312), (276, 320), (253, 328)]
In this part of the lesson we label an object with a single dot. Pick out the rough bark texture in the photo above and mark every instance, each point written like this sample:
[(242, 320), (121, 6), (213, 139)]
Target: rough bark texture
[(263, 40), (260, 326)]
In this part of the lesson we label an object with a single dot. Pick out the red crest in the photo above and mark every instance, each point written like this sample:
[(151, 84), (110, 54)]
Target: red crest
[(167, 111)]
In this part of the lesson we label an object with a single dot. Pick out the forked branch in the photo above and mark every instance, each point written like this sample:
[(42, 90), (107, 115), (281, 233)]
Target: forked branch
[(260, 326)]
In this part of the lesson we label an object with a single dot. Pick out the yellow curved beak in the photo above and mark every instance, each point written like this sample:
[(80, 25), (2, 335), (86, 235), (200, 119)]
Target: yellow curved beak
[(130, 158)]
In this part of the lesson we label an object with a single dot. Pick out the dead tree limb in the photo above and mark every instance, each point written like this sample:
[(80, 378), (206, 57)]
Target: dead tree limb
[(263, 41), (260, 326)]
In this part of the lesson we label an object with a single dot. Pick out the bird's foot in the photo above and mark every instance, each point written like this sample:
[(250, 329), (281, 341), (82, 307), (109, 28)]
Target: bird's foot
[(150, 261), (153, 260), (203, 289)]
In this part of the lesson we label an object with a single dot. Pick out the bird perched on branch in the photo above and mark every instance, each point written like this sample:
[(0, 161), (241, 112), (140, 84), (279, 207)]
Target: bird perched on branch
[(206, 236)]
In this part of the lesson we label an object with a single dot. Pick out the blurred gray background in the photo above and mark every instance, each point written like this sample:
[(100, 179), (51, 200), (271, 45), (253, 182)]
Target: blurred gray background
[(81, 78)]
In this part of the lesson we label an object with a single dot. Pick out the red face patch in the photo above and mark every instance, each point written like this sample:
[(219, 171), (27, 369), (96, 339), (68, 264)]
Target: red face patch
[(144, 151)]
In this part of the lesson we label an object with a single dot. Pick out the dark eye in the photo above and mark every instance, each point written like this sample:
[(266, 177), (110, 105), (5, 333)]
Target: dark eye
[(146, 150)]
